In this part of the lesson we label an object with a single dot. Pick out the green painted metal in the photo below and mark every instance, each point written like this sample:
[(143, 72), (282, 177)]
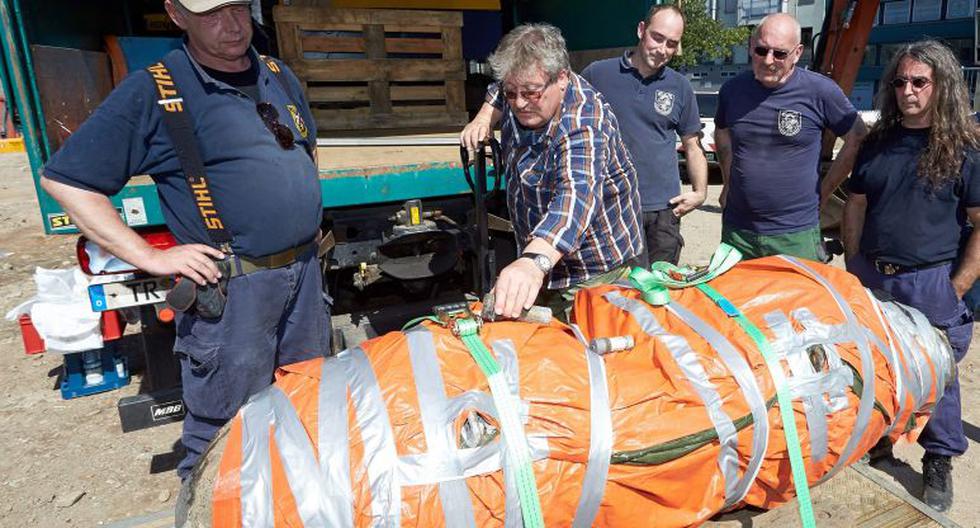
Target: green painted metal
[(20, 91), (340, 188), (29, 73)]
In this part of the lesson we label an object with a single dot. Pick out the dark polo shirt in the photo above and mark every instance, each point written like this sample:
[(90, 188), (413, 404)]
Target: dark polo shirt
[(776, 136), (268, 197), (652, 112)]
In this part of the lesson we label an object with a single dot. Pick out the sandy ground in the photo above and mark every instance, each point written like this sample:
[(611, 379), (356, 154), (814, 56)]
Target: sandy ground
[(67, 463)]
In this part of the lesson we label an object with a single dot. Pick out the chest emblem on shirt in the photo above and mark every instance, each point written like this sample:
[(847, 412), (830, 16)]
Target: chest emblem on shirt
[(298, 120), (663, 102), (790, 122)]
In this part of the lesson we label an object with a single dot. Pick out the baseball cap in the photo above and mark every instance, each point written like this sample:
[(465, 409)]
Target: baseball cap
[(203, 6)]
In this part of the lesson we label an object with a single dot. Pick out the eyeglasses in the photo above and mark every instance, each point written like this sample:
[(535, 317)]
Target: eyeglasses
[(270, 116), (777, 54), (918, 83), (531, 96)]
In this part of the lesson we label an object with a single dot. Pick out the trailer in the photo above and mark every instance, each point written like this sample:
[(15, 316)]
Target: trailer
[(406, 218)]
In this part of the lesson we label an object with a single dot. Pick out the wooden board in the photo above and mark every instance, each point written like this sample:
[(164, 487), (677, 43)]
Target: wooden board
[(376, 68), (71, 83), (855, 498)]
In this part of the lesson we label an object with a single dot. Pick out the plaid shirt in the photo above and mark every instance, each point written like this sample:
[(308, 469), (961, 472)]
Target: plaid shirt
[(572, 184)]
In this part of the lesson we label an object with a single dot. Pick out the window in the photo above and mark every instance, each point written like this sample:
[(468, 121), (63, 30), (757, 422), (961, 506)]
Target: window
[(926, 10), (896, 12), (804, 2), (888, 51), (870, 55), (963, 48), (807, 40), (959, 8), (731, 6)]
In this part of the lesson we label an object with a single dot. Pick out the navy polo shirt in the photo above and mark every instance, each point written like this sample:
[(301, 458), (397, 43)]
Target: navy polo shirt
[(267, 197), (652, 112), (774, 186), (908, 220)]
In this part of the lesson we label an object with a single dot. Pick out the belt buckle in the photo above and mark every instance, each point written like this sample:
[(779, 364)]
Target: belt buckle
[(886, 268)]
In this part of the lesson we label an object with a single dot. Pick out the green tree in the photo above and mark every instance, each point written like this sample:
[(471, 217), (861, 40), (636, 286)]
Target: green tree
[(705, 38)]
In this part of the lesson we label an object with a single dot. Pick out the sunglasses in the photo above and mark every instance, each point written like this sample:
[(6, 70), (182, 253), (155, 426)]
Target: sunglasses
[(531, 96), (918, 83), (270, 116), (777, 54)]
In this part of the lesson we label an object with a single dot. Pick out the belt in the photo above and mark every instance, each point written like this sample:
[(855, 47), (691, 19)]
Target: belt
[(890, 268), (242, 265)]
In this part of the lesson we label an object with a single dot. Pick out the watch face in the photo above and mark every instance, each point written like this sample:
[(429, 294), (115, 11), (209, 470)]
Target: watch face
[(543, 262)]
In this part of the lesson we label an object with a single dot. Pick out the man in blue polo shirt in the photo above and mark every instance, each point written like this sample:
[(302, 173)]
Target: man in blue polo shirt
[(769, 127), (654, 104), (256, 139)]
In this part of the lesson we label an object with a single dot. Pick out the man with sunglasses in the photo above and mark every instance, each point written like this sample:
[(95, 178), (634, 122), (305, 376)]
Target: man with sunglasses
[(769, 129), (911, 218), (654, 104), (255, 138), (571, 188)]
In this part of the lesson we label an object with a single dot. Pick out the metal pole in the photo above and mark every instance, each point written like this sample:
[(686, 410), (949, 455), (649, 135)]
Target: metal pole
[(20, 91), (29, 70)]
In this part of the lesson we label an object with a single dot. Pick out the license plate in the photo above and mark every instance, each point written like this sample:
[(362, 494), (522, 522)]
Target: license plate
[(134, 292)]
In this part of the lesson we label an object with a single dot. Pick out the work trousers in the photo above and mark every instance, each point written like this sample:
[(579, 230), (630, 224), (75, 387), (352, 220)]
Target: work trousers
[(273, 317), (662, 239), (931, 292), (806, 243)]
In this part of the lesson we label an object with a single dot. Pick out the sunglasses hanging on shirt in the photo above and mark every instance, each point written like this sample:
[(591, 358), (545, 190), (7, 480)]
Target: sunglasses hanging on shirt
[(270, 116)]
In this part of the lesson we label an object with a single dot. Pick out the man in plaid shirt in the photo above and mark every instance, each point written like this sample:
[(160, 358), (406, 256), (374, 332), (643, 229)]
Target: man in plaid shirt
[(571, 186)]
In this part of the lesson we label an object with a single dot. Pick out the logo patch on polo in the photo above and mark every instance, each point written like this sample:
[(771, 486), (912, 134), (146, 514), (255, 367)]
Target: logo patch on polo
[(790, 122), (663, 102), (297, 120)]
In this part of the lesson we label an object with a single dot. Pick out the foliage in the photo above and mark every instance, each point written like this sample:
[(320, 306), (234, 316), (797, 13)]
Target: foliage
[(705, 39)]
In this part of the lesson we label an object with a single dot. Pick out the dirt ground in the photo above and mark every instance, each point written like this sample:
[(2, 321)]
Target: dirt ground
[(67, 462)]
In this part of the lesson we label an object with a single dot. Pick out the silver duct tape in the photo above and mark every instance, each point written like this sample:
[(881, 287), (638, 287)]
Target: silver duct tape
[(506, 354), (600, 440), (893, 349), (334, 438), (938, 349), (454, 496), (379, 443), (743, 375), (866, 404), (688, 362), (256, 470), (919, 379), (299, 463)]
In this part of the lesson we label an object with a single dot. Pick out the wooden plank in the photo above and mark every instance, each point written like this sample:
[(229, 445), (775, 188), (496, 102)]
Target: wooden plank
[(71, 83), (418, 109), (400, 28), (326, 44), (374, 37), (359, 120), (487, 5), (289, 42), (321, 16), (418, 93), (376, 70), (456, 96), (452, 43), (336, 94), (415, 45)]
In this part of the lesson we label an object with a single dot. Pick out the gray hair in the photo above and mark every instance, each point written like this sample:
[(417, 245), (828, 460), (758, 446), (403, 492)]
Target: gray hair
[(771, 18), (528, 46)]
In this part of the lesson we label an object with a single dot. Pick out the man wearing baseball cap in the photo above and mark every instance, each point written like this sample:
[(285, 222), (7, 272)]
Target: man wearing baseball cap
[(247, 228)]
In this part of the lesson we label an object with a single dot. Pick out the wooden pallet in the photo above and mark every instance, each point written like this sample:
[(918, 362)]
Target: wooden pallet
[(376, 68)]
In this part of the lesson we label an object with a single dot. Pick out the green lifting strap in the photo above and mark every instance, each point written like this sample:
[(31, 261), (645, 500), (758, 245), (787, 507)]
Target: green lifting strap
[(527, 488), (656, 282), (782, 396)]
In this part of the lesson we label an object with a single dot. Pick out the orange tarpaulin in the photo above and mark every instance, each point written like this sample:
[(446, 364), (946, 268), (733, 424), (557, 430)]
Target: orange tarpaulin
[(404, 430)]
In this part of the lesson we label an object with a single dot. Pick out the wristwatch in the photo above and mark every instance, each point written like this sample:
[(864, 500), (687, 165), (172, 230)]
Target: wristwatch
[(541, 261)]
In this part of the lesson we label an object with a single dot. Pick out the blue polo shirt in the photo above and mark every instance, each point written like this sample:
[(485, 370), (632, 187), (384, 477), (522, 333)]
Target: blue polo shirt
[(774, 186), (652, 112), (908, 220), (268, 197)]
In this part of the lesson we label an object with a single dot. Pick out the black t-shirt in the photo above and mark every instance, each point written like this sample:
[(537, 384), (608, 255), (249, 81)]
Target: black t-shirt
[(908, 220), (246, 81)]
